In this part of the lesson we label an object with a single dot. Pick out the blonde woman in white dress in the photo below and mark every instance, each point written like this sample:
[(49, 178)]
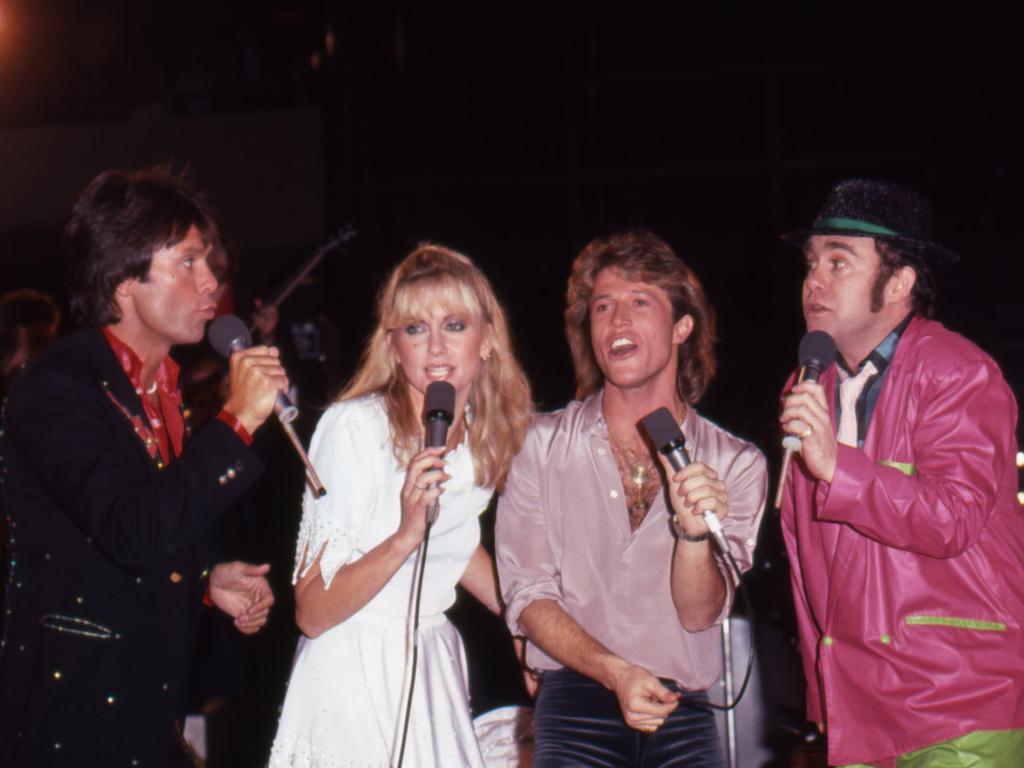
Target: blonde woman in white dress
[(438, 320)]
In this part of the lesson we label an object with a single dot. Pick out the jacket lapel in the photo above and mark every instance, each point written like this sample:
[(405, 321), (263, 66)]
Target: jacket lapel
[(113, 381)]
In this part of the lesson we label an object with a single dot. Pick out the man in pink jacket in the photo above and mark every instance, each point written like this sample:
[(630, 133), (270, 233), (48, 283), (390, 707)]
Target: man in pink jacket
[(905, 537)]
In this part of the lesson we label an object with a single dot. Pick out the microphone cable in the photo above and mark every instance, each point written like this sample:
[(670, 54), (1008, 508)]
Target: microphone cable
[(665, 435), (750, 650), (421, 560), (438, 415)]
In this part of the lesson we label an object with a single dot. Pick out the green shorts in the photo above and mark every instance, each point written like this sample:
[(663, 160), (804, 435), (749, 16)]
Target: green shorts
[(980, 749)]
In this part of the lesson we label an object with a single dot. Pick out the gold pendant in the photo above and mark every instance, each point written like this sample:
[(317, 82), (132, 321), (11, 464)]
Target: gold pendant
[(639, 478)]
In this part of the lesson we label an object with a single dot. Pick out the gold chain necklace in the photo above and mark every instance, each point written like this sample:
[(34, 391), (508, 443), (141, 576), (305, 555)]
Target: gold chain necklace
[(640, 477)]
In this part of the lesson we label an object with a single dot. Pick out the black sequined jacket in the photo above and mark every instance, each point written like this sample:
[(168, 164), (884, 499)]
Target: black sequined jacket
[(106, 563)]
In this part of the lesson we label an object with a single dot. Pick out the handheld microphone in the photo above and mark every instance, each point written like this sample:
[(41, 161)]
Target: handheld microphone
[(438, 414), (228, 334), (663, 431), (817, 352)]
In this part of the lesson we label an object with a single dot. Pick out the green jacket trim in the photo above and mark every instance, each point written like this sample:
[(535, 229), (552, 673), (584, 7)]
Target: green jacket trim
[(905, 467), (955, 621)]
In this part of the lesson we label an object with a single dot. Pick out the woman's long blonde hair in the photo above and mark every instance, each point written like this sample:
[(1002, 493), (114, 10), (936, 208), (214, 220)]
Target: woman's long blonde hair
[(499, 398)]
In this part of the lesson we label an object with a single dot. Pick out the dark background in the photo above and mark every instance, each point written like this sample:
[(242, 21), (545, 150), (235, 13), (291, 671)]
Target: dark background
[(516, 133)]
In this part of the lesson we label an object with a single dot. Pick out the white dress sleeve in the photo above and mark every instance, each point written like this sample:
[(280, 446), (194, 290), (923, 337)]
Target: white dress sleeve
[(344, 450)]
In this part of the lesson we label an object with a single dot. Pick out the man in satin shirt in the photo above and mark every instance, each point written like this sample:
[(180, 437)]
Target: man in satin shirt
[(618, 594), (905, 538)]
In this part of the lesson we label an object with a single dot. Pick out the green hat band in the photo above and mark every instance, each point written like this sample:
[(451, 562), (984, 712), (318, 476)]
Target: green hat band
[(855, 225)]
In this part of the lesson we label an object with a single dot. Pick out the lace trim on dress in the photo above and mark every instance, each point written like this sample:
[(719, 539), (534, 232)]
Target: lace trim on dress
[(321, 531), (294, 750)]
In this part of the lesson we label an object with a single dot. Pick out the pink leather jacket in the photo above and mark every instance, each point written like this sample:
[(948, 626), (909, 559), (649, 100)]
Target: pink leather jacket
[(908, 569)]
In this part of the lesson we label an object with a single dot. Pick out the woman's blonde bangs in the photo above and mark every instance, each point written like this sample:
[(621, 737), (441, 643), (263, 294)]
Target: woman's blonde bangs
[(416, 299)]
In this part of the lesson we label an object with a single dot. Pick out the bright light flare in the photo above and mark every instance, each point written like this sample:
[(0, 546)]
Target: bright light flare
[(1020, 459)]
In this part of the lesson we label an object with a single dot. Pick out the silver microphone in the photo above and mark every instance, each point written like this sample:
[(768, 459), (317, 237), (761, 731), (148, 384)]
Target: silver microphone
[(817, 351), (228, 334), (661, 427)]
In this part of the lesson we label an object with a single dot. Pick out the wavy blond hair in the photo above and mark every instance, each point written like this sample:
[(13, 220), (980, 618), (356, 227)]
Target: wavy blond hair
[(499, 398)]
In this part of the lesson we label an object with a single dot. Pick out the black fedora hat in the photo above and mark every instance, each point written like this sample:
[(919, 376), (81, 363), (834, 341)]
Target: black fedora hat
[(887, 212)]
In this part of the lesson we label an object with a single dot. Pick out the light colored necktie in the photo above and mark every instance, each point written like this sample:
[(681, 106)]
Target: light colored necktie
[(849, 390)]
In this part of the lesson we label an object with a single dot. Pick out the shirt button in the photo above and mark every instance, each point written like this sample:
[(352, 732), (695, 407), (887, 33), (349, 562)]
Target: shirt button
[(614, 494), (600, 451)]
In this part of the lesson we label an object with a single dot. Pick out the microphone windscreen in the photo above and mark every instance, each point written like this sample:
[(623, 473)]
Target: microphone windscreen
[(228, 333), (440, 397), (661, 427), (817, 346)]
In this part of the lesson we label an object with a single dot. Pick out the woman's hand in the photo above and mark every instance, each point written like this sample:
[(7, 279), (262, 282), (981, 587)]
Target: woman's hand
[(531, 680), (422, 486)]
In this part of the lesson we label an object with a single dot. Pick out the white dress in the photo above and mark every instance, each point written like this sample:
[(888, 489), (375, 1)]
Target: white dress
[(348, 686)]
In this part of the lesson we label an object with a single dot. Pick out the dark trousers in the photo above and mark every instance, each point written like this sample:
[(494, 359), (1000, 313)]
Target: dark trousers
[(578, 722)]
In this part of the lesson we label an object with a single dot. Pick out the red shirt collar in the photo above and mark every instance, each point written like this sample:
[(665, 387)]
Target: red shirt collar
[(166, 373)]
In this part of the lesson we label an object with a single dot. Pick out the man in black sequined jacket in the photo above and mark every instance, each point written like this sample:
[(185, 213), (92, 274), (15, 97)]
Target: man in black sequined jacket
[(108, 496)]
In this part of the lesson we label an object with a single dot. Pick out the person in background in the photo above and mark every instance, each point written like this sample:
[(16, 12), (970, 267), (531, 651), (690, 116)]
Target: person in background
[(28, 325), (29, 321)]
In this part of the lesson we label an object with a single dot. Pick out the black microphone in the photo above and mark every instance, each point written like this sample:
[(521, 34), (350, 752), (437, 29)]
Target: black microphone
[(228, 334), (438, 414), (817, 352), (663, 431)]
